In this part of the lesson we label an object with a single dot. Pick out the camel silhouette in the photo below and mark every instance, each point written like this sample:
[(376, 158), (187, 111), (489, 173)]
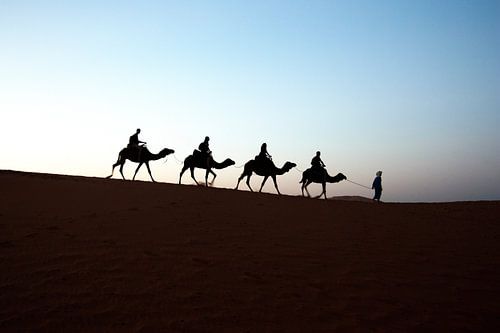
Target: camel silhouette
[(200, 161), (319, 176), (132, 154), (266, 169)]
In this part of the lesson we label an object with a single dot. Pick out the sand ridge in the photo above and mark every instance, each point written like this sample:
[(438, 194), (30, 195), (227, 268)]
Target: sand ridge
[(91, 254)]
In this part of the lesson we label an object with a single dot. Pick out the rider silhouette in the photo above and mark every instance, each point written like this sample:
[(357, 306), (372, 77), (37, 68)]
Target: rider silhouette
[(204, 150), (316, 161), (264, 155), (134, 142), (203, 147)]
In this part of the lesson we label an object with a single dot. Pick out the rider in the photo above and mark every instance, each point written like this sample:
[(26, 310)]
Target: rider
[(316, 162), (264, 155), (134, 142), (205, 150)]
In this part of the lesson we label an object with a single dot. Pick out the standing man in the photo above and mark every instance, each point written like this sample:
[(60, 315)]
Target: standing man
[(377, 186)]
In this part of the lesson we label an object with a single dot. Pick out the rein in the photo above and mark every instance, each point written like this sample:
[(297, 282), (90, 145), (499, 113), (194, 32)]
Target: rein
[(350, 181)]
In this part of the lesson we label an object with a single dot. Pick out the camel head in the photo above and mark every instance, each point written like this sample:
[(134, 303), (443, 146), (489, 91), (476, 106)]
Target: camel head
[(341, 176), (228, 162), (288, 166), (165, 151)]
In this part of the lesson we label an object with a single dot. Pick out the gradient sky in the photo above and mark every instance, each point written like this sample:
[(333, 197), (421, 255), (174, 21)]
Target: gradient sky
[(408, 87)]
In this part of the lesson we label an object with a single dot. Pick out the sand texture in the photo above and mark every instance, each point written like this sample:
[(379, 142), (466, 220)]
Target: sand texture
[(95, 255)]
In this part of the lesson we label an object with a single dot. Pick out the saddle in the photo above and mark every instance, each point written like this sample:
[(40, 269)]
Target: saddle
[(136, 150), (319, 171), (264, 162), (202, 157)]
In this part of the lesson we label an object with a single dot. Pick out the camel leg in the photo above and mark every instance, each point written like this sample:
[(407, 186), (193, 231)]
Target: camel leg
[(149, 170), (263, 182), (213, 173), (184, 168), (275, 183), (137, 170), (113, 169), (121, 170), (248, 182), (243, 174), (239, 180), (192, 176), (322, 192), (117, 163), (206, 176), (305, 187)]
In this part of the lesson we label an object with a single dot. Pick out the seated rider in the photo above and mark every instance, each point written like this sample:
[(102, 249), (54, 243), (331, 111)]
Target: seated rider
[(204, 150), (264, 155), (317, 163), (134, 142)]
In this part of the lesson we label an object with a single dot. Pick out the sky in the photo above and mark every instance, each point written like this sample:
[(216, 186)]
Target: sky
[(411, 88)]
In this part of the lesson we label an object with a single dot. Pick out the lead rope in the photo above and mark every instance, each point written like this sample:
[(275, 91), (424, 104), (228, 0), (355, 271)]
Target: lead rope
[(175, 157), (358, 184), (178, 160)]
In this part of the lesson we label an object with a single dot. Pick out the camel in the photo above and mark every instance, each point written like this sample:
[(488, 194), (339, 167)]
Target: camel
[(266, 169), (131, 153), (319, 176), (199, 161)]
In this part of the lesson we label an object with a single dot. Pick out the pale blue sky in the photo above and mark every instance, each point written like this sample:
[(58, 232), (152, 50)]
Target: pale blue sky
[(408, 87)]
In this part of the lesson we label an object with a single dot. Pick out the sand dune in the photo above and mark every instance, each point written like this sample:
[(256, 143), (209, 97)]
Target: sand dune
[(351, 198), (94, 255)]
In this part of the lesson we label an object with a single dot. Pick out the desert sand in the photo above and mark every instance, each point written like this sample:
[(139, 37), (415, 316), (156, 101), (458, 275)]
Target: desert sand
[(84, 254)]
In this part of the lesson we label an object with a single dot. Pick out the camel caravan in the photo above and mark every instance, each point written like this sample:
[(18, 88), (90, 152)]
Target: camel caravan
[(262, 165)]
